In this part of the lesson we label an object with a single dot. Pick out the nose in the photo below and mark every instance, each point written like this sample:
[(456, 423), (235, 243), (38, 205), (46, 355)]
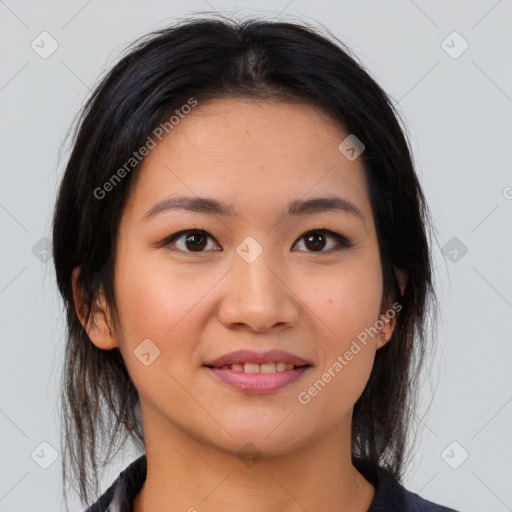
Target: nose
[(258, 297)]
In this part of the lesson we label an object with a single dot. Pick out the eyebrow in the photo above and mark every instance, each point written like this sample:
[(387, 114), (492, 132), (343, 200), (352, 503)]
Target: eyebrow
[(296, 207)]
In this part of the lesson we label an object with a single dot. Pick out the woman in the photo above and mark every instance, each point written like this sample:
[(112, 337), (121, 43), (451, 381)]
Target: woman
[(242, 246)]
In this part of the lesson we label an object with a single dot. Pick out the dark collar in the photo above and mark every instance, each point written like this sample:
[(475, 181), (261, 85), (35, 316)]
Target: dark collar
[(389, 496)]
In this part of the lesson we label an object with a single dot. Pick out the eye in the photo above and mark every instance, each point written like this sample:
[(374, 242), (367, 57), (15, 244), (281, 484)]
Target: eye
[(195, 241), (316, 241)]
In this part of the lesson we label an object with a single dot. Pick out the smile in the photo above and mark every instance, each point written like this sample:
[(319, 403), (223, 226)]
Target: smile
[(259, 368), (258, 379)]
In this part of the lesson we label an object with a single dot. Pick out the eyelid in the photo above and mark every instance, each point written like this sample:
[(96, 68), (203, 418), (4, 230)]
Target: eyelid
[(342, 241), (175, 236)]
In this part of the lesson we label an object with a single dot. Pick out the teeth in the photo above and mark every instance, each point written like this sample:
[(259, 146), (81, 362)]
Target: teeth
[(251, 368), (259, 368), (268, 368)]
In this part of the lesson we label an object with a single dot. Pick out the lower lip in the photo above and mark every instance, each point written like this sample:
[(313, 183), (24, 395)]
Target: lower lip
[(259, 382)]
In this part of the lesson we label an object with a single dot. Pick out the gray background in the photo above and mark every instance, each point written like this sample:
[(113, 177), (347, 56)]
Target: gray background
[(458, 113)]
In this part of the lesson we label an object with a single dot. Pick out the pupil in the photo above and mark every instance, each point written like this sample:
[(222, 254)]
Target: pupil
[(316, 241), (193, 239)]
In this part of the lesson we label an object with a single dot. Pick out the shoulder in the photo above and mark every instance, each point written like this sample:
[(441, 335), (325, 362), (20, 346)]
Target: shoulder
[(391, 496), (120, 495)]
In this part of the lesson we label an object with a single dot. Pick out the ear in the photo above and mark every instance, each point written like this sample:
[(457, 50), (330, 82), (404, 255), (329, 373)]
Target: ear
[(389, 312), (99, 325), (384, 334)]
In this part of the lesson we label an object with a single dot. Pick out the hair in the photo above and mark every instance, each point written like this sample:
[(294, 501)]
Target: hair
[(208, 58)]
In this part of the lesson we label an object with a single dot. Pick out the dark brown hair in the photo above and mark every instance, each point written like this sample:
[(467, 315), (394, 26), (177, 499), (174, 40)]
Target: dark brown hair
[(211, 58)]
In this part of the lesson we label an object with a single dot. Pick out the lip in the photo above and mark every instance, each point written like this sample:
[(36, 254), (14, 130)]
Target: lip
[(258, 383), (250, 356)]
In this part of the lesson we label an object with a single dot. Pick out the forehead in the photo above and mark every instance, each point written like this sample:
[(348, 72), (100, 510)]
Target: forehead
[(255, 155)]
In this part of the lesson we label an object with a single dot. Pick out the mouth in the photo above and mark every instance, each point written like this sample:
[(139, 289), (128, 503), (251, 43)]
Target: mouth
[(272, 367), (267, 362), (251, 372)]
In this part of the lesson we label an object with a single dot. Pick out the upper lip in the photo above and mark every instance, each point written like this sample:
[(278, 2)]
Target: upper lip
[(249, 356)]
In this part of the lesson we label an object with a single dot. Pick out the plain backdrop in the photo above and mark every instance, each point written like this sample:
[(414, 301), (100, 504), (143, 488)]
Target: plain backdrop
[(455, 92)]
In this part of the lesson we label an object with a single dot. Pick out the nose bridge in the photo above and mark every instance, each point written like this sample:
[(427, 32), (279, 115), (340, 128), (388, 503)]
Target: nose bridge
[(257, 295), (255, 277)]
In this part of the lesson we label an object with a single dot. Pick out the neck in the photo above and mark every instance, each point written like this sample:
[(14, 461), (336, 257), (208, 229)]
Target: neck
[(185, 474)]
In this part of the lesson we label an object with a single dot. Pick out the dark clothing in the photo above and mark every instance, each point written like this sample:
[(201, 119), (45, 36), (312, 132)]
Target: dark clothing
[(389, 495)]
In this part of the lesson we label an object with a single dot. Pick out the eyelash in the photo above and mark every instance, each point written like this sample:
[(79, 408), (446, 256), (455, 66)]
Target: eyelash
[(343, 242)]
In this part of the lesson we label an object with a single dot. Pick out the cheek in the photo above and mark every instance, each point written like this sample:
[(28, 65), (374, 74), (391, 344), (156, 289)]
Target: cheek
[(160, 305), (346, 301), (335, 388), (346, 349), (164, 303), (346, 306), (155, 299)]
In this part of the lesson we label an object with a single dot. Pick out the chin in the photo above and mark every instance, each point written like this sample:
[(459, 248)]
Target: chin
[(267, 441)]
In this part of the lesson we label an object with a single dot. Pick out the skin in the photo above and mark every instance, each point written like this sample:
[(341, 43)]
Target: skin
[(195, 306)]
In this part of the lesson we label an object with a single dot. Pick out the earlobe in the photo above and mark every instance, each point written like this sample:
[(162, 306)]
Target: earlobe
[(386, 331), (384, 337), (98, 325)]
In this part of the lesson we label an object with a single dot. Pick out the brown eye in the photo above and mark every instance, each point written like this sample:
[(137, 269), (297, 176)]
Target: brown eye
[(195, 241), (316, 241), (189, 241)]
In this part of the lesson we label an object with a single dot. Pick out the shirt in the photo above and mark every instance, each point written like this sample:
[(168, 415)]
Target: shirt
[(390, 496)]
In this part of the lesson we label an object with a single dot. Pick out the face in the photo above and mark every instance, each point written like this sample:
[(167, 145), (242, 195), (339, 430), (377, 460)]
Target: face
[(198, 285)]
